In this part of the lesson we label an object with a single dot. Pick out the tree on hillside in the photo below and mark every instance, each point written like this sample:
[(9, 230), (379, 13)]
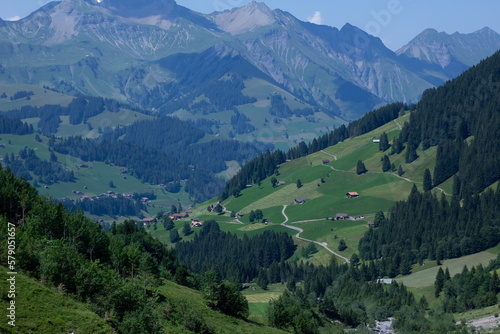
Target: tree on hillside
[(384, 142), (174, 236), (439, 283), (251, 216), (274, 181), (379, 218), (259, 214), (400, 171), (186, 229), (236, 192), (360, 168), (173, 209), (299, 183), (342, 245), (386, 163), (218, 208), (427, 180)]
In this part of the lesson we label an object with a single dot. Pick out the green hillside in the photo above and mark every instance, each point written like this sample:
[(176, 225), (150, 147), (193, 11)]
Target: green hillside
[(40, 309), (89, 181)]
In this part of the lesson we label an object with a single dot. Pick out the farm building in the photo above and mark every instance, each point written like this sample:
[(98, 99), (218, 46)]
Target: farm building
[(195, 222), (341, 216), (352, 194), (300, 200), (280, 183), (177, 216), (326, 161), (149, 221), (371, 224)]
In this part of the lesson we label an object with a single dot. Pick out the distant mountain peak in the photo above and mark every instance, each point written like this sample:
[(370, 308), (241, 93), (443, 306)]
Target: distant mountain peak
[(454, 52), (244, 19), (140, 8)]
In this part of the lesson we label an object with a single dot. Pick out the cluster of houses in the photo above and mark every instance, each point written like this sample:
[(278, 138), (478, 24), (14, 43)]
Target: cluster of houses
[(195, 222)]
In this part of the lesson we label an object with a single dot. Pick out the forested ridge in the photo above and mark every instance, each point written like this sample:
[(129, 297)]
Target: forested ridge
[(145, 163), (462, 118), (179, 139)]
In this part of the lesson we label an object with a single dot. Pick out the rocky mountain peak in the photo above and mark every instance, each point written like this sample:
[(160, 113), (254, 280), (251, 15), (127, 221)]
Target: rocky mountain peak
[(140, 8), (244, 19)]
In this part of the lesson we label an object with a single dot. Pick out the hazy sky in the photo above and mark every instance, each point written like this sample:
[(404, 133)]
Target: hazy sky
[(396, 22)]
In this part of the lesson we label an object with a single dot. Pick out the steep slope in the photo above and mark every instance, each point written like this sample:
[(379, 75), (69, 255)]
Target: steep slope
[(454, 53)]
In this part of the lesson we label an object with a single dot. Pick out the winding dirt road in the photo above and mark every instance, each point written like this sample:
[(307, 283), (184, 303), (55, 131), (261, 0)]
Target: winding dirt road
[(299, 230)]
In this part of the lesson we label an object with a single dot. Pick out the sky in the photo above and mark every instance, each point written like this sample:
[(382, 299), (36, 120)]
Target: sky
[(396, 22)]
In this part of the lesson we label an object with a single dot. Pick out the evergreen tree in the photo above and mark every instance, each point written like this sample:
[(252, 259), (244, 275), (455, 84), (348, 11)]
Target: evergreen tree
[(186, 229), (342, 245), (259, 215), (262, 280), (400, 171), (386, 163), (251, 216), (174, 236), (173, 209), (360, 167), (439, 283), (379, 218), (299, 184), (384, 142), (427, 180), (274, 181)]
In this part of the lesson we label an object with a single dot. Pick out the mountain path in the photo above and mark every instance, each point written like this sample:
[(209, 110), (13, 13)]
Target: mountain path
[(332, 155), (299, 230), (399, 125)]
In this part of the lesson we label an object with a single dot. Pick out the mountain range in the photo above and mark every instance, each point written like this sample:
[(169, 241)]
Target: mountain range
[(165, 57)]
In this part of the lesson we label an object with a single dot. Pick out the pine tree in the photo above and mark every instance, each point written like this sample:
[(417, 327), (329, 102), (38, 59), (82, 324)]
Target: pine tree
[(360, 167), (299, 184), (400, 171), (384, 142), (386, 163), (427, 180), (439, 283)]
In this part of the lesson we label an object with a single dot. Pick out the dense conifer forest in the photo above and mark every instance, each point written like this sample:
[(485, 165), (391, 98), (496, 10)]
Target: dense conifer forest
[(461, 118)]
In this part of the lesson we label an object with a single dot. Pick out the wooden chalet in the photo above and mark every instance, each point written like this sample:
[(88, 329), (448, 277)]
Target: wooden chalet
[(341, 216), (326, 161), (177, 216), (352, 194), (149, 221), (300, 200)]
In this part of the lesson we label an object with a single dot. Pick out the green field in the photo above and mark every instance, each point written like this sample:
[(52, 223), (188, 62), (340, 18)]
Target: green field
[(216, 320), (427, 277), (41, 97)]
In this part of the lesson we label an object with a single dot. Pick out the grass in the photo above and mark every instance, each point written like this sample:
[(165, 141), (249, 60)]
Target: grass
[(41, 97), (219, 322), (42, 310), (425, 278), (332, 232)]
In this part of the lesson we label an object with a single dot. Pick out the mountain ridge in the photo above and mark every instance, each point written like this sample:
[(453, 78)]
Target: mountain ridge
[(114, 49)]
